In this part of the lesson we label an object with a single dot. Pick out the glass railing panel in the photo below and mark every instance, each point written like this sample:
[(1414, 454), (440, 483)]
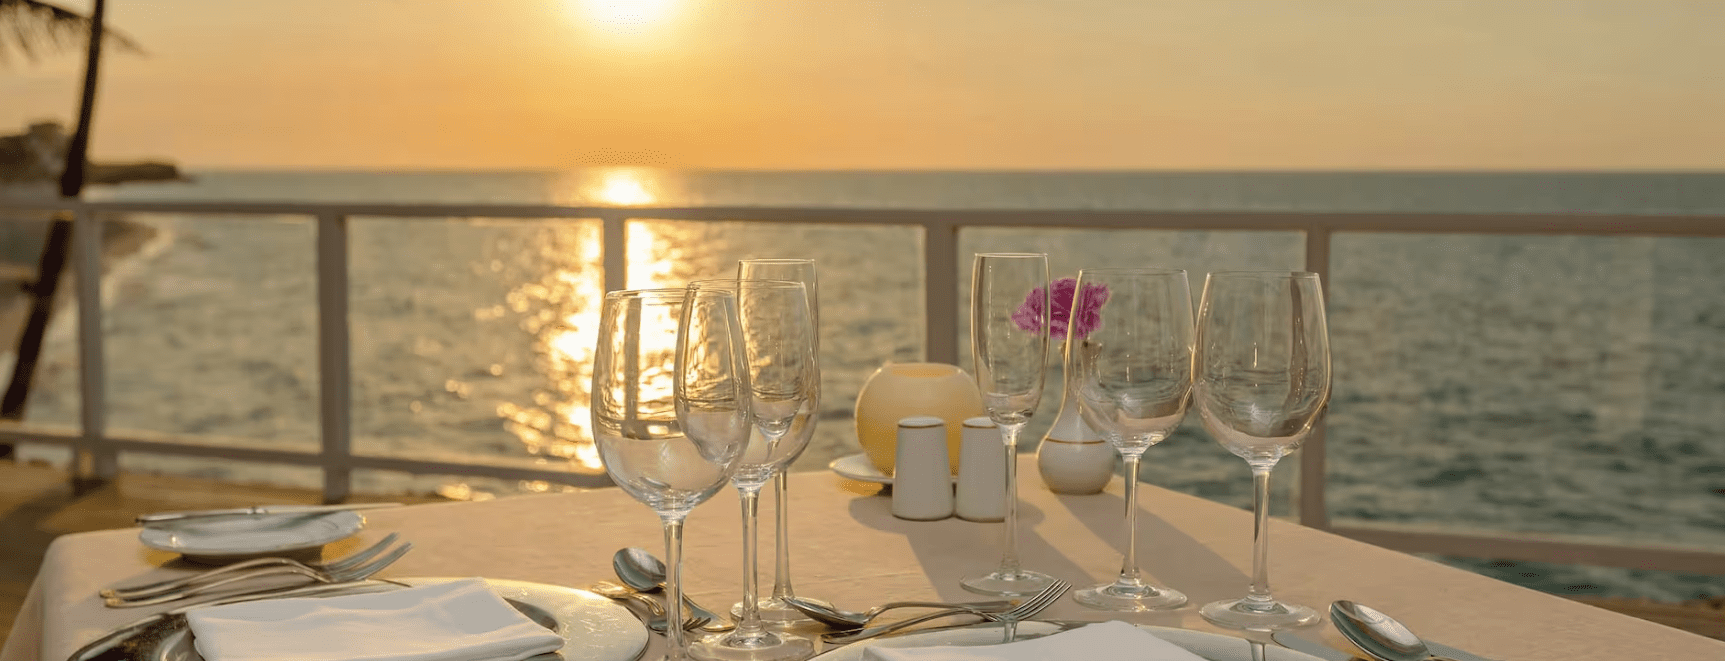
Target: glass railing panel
[(1189, 461), (472, 339), (209, 332), (871, 297), (1530, 384)]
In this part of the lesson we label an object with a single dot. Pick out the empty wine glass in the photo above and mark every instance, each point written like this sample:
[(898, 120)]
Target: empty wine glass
[(1009, 344), (774, 608), (670, 412), (778, 338), (1129, 354), (1261, 377)]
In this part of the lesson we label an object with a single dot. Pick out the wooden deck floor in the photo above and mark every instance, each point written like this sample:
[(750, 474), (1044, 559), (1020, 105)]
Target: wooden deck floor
[(37, 504)]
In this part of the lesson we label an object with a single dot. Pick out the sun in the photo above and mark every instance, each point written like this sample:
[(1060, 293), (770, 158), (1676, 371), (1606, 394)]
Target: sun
[(628, 15)]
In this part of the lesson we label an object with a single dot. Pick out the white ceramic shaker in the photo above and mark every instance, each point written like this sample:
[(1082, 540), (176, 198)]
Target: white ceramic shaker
[(981, 472), (922, 477)]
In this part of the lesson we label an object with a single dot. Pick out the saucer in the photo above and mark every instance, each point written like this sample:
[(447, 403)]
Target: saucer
[(220, 539)]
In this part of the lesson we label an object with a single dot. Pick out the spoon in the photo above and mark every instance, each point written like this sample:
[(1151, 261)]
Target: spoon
[(832, 616), (1378, 635), (638, 569)]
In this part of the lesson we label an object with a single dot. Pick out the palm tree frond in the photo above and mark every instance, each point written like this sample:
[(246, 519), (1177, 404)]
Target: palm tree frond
[(38, 26)]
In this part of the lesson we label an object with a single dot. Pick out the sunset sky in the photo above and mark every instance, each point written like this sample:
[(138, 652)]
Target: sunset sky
[(902, 84)]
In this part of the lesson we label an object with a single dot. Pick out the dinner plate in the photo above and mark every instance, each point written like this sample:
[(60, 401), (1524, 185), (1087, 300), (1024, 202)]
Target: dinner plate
[(593, 628), (1212, 647), (230, 538), (858, 467)]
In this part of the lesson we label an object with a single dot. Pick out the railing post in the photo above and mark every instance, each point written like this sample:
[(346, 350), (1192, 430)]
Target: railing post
[(334, 369), (940, 291), (1312, 510), (92, 388), (614, 247)]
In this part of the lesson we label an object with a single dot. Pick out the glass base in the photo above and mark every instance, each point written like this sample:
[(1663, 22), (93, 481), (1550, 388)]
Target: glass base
[(1130, 597), (760, 646), (1271, 615), (1004, 584), (774, 612)]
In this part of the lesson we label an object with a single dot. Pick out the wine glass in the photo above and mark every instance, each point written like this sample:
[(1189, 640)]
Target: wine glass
[(778, 338), (1009, 344), (1129, 353), (670, 412), (1262, 376), (774, 608)]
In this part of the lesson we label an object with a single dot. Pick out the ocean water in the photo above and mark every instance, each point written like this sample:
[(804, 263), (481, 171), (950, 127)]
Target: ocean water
[(1520, 384)]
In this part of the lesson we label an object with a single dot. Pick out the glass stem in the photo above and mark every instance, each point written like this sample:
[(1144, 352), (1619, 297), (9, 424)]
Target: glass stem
[(674, 636), (1009, 565), (750, 622), (1260, 590), (782, 538), (1129, 565)]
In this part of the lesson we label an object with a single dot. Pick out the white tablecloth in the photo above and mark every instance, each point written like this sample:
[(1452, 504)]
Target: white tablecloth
[(847, 548)]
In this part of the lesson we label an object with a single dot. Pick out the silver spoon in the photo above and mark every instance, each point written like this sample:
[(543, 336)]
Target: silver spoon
[(832, 616), (657, 619), (638, 569), (1378, 635)]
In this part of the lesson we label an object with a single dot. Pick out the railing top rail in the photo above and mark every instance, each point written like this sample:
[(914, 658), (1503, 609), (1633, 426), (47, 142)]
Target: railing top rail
[(1436, 223)]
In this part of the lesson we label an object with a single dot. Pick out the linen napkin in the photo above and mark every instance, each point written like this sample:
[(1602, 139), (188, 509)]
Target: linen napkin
[(1103, 641), (455, 621)]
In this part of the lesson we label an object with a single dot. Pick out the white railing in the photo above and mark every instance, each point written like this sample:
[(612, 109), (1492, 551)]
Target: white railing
[(97, 450)]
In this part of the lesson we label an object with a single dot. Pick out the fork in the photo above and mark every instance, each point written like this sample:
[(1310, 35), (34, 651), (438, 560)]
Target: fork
[(1029, 607), (160, 587), (348, 575)]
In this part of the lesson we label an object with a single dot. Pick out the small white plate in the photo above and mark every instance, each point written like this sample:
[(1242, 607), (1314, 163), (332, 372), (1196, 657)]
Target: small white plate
[(1207, 645), (858, 467), (229, 538), (593, 628)]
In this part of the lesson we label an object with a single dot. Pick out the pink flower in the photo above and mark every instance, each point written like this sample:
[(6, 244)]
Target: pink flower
[(1030, 315)]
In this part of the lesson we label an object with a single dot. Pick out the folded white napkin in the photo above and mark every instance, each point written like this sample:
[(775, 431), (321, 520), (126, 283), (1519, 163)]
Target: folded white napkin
[(459, 620), (1103, 641)]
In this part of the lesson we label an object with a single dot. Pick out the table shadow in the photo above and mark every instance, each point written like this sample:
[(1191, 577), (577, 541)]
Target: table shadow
[(935, 543), (1165, 552)]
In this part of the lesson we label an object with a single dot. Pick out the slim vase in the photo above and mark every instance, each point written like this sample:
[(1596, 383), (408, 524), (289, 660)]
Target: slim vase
[(1072, 458)]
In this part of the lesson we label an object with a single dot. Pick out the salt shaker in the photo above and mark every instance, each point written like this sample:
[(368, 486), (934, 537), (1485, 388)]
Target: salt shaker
[(922, 478), (981, 472)]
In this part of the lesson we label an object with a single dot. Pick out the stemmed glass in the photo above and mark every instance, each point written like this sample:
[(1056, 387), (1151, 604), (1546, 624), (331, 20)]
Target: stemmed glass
[(1262, 376), (1129, 352), (1009, 345), (778, 336), (774, 608), (670, 411)]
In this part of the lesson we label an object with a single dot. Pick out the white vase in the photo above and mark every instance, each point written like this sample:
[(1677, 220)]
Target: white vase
[(1072, 458)]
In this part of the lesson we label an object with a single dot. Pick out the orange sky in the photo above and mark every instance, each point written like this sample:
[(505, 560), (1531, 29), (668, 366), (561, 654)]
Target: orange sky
[(891, 84)]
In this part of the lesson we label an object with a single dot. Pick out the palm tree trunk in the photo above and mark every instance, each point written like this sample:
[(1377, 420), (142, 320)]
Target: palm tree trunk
[(59, 236)]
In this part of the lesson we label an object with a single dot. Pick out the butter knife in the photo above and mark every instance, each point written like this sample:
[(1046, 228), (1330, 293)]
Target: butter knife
[(164, 517), (1297, 643)]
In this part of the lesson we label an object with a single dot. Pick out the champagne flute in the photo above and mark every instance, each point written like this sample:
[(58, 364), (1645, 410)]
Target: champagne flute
[(1262, 376), (778, 340), (774, 608), (1129, 352), (1009, 345), (670, 413)]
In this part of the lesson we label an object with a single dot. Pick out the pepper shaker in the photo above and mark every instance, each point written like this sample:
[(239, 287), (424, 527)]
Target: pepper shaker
[(922, 478), (981, 473)]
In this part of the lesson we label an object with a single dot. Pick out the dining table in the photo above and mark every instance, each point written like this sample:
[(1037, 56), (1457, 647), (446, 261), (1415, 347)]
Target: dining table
[(847, 548)]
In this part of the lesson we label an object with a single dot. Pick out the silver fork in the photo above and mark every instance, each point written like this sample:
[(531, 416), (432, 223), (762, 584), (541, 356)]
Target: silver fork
[(170, 585), (1028, 608), (348, 575)]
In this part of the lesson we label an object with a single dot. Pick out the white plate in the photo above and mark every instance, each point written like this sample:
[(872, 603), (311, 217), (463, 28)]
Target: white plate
[(593, 628), (858, 467), (1207, 645), (228, 538)]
